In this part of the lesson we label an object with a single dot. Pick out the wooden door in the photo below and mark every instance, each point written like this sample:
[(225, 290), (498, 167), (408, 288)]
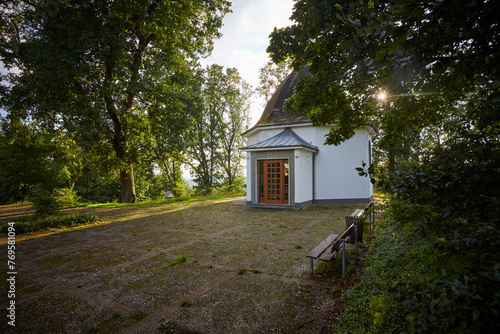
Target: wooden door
[(273, 181)]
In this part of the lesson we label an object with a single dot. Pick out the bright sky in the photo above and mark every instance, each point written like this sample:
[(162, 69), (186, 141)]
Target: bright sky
[(245, 37)]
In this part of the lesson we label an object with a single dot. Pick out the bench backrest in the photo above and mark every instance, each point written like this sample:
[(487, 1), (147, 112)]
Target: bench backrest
[(355, 218)]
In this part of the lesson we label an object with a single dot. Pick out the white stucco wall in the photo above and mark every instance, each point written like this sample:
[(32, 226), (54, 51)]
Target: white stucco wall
[(335, 175), (250, 187), (303, 176)]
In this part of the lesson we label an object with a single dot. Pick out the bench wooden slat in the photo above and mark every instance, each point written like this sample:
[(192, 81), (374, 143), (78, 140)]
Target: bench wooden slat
[(327, 256), (347, 231), (357, 213), (322, 246)]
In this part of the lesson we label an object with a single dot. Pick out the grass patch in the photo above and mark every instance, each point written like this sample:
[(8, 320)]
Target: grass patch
[(186, 303), (136, 316), (161, 201), (379, 194), (167, 325), (34, 223), (180, 259)]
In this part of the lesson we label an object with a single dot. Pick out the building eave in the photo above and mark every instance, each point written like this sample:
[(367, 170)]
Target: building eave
[(273, 126), (281, 148), (285, 140)]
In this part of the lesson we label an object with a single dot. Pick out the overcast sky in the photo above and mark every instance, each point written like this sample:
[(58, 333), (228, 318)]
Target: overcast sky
[(245, 37)]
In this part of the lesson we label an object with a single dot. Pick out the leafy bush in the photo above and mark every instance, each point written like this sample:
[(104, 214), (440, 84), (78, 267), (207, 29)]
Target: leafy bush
[(236, 188), (67, 196), (36, 223), (434, 266), (44, 202)]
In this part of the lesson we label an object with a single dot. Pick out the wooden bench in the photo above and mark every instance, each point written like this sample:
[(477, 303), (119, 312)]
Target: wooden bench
[(329, 248), (370, 209), (355, 218)]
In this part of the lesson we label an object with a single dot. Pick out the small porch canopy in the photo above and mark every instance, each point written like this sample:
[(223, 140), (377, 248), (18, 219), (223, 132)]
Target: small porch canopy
[(285, 140)]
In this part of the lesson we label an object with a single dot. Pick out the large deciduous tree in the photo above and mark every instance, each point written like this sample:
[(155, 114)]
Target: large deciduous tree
[(99, 69), (424, 54), (271, 75), (215, 137)]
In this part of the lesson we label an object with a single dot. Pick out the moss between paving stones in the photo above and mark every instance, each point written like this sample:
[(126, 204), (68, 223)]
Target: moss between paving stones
[(24, 286), (270, 230), (55, 243), (201, 220), (289, 260), (251, 304), (77, 263), (160, 238), (224, 252), (43, 315), (148, 286)]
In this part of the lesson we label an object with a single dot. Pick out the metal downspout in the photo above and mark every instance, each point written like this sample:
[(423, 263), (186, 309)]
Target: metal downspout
[(314, 178)]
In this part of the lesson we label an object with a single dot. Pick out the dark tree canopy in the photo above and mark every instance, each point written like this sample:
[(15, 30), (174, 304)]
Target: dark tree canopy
[(423, 54), (102, 70)]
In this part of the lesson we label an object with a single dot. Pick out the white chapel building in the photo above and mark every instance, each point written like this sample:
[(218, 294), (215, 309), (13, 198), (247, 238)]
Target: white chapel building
[(289, 166)]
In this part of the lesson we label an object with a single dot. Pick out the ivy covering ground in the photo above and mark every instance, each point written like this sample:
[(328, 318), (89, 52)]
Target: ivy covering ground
[(434, 265)]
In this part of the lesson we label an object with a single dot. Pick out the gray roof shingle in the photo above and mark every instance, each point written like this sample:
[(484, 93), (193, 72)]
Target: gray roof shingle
[(283, 140), (274, 111)]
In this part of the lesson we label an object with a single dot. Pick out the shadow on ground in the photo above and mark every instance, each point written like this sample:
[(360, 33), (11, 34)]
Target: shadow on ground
[(246, 272)]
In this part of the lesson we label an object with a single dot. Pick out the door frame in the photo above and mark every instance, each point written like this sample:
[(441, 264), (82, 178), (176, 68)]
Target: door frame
[(262, 185)]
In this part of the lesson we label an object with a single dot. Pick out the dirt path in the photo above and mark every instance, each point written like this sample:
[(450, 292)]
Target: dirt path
[(246, 272)]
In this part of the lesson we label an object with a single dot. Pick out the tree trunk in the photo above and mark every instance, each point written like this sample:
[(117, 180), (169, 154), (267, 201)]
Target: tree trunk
[(119, 130), (392, 161), (128, 185)]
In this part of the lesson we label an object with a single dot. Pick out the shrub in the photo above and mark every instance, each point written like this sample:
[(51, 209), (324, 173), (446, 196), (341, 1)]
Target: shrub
[(36, 223), (67, 196), (44, 202), (433, 266)]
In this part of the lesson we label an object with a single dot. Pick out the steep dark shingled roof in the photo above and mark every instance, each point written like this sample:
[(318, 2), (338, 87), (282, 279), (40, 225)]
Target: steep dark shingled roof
[(274, 113), (285, 139)]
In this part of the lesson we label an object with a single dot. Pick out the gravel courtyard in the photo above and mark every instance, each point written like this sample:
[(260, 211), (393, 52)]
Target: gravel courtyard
[(245, 272)]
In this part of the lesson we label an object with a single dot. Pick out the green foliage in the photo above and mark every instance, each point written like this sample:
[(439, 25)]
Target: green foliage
[(36, 223), (435, 261), (186, 302), (432, 61), (238, 187), (182, 258), (270, 77), (44, 202), (215, 137), (110, 73), (30, 156), (67, 196)]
